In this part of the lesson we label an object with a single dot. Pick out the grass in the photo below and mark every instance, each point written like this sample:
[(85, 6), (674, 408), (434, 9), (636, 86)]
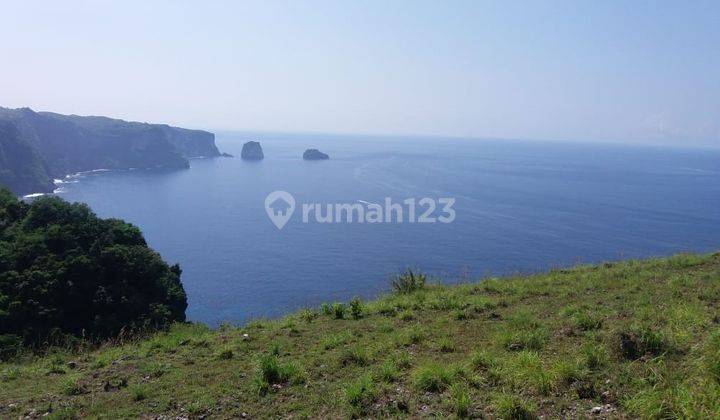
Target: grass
[(433, 377), (513, 407), (446, 345), (273, 372), (460, 400), (360, 394), (70, 387), (596, 355), (639, 336), (389, 371), (139, 392), (409, 282), (154, 369), (355, 355), (482, 360), (332, 341), (411, 336)]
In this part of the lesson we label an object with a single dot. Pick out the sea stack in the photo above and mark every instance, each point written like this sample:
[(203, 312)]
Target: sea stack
[(315, 154), (252, 151)]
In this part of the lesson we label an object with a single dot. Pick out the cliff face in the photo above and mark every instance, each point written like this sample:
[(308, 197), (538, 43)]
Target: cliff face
[(21, 167), (36, 147), (191, 143)]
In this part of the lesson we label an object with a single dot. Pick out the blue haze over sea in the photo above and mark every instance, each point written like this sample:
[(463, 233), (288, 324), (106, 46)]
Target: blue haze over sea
[(521, 207)]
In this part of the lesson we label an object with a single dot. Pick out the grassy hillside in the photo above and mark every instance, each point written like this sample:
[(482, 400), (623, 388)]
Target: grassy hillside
[(637, 338)]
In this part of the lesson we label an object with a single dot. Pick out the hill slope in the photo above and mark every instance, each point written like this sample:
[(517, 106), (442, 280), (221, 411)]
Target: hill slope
[(36, 147), (637, 338)]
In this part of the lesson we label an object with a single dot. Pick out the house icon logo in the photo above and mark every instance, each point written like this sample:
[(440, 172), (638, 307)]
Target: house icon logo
[(279, 206)]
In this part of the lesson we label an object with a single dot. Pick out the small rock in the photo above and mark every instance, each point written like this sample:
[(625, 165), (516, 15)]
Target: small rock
[(243, 414), (252, 151), (602, 409), (72, 364), (315, 154), (245, 337)]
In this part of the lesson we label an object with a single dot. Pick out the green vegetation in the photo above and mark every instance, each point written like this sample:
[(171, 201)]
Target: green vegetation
[(409, 282), (65, 274), (630, 339), (36, 147)]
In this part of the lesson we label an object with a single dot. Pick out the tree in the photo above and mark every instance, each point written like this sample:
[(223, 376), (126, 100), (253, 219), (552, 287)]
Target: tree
[(65, 272)]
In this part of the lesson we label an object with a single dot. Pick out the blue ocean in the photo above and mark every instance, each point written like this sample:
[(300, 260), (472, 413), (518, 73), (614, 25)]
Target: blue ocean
[(520, 207)]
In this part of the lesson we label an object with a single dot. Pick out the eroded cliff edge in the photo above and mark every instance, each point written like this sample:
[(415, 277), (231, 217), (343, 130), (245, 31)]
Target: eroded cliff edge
[(37, 147)]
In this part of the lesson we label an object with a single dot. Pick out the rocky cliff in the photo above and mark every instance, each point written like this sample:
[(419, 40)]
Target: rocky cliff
[(36, 147)]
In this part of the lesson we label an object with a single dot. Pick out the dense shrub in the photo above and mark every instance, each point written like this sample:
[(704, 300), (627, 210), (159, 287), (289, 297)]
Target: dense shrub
[(356, 308), (65, 272), (408, 282)]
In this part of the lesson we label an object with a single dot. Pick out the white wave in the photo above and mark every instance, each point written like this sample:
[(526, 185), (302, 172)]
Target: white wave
[(695, 170), (83, 173), (68, 180), (33, 195)]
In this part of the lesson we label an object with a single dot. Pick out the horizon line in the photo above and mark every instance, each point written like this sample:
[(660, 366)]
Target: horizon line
[(641, 144)]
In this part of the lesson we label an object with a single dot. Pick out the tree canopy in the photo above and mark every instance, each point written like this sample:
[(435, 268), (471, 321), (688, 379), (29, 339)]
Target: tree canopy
[(66, 272)]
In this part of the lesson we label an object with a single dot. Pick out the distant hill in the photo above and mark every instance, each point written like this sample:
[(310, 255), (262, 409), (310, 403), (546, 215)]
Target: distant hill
[(36, 147)]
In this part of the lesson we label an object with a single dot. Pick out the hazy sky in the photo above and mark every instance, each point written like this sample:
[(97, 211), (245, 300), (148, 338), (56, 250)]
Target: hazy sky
[(630, 71)]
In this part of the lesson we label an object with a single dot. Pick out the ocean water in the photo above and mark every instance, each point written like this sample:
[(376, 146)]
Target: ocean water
[(521, 207)]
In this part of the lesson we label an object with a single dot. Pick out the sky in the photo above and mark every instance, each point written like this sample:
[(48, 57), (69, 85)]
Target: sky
[(635, 72)]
